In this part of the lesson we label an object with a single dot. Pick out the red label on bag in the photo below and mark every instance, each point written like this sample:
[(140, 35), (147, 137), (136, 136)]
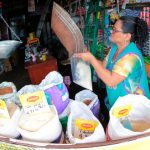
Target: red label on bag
[(123, 111), (85, 125), (33, 99)]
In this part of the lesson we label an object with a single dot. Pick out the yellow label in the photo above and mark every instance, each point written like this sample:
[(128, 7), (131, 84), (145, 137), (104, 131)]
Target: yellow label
[(2, 105), (88, 125), (3, 110), (34, 102), (121, 111)]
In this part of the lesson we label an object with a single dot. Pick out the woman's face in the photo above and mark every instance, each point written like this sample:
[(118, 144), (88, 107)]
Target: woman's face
[(117, 35)]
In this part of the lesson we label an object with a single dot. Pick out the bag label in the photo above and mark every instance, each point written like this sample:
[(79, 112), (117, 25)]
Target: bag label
[(121, 111), (84, 128), (3, 110), (34, 102)]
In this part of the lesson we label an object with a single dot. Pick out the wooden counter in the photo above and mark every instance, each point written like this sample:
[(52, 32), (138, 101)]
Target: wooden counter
[(39, 69)]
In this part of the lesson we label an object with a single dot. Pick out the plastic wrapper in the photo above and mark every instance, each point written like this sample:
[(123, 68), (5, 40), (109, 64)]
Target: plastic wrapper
[(81, 73)]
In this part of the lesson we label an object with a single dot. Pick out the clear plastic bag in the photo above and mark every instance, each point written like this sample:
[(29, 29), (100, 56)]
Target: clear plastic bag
[(81, 73)]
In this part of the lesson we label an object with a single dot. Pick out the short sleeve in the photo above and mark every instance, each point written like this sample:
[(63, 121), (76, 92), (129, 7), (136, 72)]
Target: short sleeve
[(127, 64)]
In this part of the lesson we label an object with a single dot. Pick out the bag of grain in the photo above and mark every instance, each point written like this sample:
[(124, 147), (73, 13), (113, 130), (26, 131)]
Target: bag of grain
[(90, 99), (40, 127), (129, 117), (9, 116), (8, 92), (55, 91), (81, 73), (83, 126)]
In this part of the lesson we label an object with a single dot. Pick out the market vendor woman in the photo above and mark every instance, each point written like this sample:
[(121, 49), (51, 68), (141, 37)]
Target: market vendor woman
[(123, 69)]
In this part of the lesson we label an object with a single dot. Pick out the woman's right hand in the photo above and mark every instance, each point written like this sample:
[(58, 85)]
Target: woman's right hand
[(85, 56)]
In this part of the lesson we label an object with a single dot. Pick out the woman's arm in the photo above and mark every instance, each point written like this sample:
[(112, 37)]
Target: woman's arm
[(104, 62), (109, 78)]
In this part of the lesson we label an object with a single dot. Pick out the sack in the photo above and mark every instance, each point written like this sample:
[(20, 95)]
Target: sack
[(48, 132), (55, 91), (8, 92), (81, 111), (27, 89), (10, 129), (81, 73), (90, 99), (129, 117)]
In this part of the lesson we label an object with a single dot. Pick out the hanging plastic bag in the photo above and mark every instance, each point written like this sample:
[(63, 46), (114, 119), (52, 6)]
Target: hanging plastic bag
[(90, 99), (80, 113), (81, 73), (40, 127), (129, 117), (55, 91)]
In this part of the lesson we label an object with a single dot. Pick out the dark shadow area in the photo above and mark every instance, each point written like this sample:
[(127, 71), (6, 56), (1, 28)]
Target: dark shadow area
[(19, 76)]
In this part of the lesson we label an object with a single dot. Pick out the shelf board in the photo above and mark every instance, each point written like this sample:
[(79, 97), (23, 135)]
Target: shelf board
[(146, 4)]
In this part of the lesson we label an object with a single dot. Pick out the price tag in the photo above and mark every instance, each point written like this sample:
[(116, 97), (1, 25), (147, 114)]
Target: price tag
[(34, 102), (121, 111), (3, 110)]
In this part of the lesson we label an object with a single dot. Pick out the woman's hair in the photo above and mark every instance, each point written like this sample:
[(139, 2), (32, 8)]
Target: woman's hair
[(137, 27)]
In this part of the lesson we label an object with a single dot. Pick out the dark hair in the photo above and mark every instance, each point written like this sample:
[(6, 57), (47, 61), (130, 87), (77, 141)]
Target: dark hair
[(137, 27)]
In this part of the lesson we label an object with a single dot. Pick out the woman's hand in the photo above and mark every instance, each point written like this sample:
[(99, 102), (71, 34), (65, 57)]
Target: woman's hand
[(85, 56)]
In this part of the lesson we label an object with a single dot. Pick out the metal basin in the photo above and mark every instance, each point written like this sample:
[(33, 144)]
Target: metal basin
[(7, 47)]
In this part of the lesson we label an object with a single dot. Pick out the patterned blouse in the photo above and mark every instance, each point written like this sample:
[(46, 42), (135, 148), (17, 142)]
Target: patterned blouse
[(129, 64)]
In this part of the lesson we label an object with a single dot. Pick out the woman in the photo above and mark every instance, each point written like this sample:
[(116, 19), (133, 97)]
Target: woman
[(123, 69)]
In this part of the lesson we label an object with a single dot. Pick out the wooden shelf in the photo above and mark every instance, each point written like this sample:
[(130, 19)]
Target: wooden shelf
[(39, 69), (146, 4)]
